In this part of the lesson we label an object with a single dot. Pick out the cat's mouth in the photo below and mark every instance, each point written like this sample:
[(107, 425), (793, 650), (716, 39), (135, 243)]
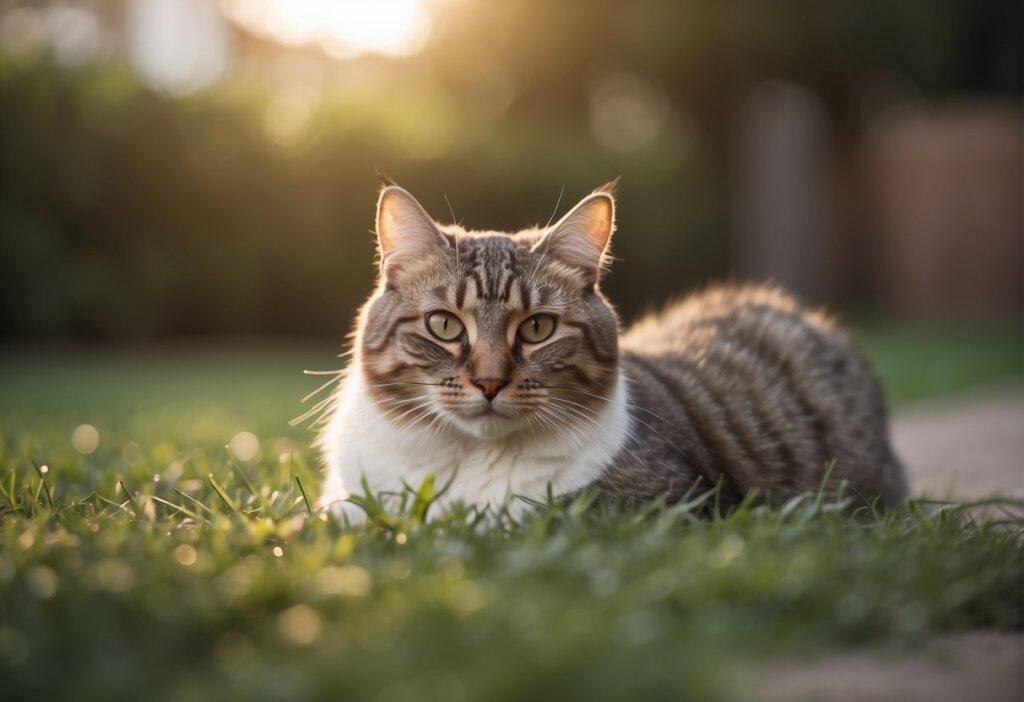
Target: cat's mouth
[(486, 411), (487, 421)]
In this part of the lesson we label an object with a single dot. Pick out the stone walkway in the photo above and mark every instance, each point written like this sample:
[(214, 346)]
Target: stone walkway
[(968, 449)]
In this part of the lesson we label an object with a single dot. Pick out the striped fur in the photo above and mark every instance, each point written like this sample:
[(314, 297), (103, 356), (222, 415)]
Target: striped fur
[(743, 387), (737, 386)]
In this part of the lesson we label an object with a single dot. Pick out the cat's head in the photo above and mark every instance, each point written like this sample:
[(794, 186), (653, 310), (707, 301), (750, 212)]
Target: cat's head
[(489, 333)]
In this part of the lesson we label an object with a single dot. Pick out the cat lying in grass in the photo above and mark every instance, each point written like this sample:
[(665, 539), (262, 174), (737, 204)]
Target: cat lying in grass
[(494, 362)]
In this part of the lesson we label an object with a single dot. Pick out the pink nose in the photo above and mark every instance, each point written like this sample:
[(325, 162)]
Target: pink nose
[(490, 386)]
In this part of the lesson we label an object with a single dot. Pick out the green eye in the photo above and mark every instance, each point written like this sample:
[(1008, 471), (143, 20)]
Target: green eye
[(444, 325), (537, 328)]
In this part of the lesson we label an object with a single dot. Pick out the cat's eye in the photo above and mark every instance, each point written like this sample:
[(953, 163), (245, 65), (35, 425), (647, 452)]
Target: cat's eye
[(537, 328), (444, 325)]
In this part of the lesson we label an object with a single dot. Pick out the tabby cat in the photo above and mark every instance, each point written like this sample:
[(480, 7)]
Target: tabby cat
[(494, 362)]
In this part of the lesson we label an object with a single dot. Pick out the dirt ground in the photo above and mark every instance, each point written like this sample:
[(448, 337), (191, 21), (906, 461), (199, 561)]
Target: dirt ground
[(971, 448)]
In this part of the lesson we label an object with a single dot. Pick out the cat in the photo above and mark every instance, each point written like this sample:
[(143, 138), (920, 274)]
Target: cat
[(494, 362)]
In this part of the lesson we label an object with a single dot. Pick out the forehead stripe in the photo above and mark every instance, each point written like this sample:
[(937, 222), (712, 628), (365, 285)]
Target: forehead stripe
[(506, 293), (475, 277), (524, 293)]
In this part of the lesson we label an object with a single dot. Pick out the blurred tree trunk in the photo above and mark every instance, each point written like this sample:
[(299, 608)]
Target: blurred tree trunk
[(783, 190)]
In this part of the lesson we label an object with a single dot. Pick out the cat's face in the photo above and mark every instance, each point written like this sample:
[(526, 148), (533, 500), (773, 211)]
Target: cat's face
[(487, 333)]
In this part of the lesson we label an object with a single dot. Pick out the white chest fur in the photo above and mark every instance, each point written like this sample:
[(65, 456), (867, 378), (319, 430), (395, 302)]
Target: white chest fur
[(360, 442)]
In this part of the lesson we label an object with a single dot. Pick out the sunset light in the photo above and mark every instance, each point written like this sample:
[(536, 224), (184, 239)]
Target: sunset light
[(343, 28)]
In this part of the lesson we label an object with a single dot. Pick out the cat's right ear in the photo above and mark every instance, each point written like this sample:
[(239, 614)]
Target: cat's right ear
[(405, 232)]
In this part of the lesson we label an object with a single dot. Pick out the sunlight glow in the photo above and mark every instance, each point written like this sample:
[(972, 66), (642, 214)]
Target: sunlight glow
[(343, 28)]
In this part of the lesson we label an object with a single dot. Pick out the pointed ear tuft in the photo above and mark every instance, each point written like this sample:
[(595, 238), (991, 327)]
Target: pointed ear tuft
[(405, 232), (385, 179), (580, 239), (610, 187)]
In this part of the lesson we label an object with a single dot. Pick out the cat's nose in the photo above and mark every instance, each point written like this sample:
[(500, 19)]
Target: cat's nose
[(490, 386)]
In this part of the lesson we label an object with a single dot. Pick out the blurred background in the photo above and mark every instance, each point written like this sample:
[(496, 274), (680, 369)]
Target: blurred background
[(187, 191), (182, 168)]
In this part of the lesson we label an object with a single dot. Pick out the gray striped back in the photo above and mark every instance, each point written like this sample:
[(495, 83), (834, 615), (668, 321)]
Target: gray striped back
[(743, 387)]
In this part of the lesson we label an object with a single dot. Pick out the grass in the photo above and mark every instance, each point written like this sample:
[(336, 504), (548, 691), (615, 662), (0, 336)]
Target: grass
[(159, 564), (928, 362)]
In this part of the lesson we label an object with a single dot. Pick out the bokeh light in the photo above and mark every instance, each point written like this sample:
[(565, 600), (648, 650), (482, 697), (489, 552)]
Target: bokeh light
[(42, 581), (288, 115), (349, 581), (185, 555), (627, 113), (85, 438), (177, 45), (244, 446), (343, 28), (74, 34), (299, 625)]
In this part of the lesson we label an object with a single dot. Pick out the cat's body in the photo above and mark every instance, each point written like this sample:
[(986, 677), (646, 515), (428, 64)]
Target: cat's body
[(743, 387), (493, 362)]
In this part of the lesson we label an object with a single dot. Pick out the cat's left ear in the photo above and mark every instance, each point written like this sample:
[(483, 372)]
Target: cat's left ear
[(580, 239)]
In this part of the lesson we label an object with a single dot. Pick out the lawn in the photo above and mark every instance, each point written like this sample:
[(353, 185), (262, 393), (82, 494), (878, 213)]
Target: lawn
[(159, 564)]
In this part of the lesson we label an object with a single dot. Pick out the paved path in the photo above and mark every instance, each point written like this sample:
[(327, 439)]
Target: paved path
[(979, 666), (970, 448)]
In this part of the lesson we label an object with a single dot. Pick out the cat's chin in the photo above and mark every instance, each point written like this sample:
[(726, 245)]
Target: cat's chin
[(488, 427)]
